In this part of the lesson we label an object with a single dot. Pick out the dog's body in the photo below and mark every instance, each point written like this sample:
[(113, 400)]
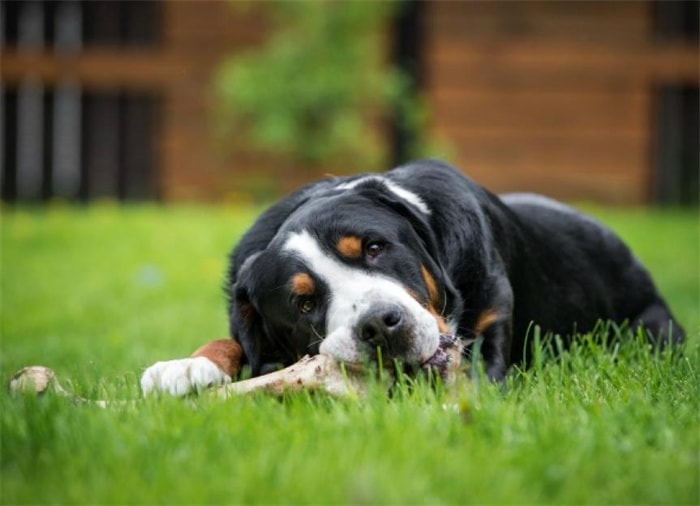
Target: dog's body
[(380, 265)]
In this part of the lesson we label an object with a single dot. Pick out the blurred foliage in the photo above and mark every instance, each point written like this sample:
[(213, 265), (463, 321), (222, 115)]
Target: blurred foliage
[(320, 88)]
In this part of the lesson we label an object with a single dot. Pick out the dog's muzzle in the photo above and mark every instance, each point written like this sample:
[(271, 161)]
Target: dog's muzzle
[(384, 329), (382, 326)]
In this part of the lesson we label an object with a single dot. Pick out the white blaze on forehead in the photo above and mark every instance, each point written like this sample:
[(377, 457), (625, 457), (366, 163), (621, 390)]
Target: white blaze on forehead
[(399, 191), (353, 292)]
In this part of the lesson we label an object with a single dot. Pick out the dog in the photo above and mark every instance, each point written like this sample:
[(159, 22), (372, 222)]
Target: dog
[(380, 265)]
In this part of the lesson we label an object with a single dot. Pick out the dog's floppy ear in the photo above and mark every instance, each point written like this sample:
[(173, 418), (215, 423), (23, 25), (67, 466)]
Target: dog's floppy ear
[(245, 323), (266, 226), (429, 251), (418, 220)]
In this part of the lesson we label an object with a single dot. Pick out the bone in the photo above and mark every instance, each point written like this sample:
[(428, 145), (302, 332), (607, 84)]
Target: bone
[(322, 373), (446, 362), (313, 373), (37, 379)]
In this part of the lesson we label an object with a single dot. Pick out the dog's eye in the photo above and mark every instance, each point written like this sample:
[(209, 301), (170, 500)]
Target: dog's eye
[(374, 249), (306, 306)]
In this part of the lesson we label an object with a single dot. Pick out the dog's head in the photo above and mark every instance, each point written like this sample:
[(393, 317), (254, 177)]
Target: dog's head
[(351, 273)]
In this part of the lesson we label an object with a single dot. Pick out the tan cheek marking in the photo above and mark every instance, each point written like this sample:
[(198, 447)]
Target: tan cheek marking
[(486, 319), (349, 246), (430, 285), (302, 284), (225, 353), (442, 324)]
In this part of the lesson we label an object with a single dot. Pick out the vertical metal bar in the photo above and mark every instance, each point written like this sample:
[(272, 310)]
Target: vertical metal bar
[(30, 142), (102, 146), (66, 140), (30, 37), (9, 160), (66, 149), (3, 16), (30, 34), (669, 135), (69, 27)]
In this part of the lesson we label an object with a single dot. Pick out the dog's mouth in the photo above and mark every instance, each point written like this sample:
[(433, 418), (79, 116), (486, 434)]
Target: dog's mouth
[(446, 358)]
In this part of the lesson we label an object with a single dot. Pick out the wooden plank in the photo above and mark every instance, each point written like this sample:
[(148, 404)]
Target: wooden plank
[(565, 185), (96, 68), (194, 24), (591, 21), (547, 155), (605, 168), (675, 61), (511, 79), (550, 111)]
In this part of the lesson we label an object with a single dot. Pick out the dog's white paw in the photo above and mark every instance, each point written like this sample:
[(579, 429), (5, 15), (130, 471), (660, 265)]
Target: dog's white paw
[(182, 376)]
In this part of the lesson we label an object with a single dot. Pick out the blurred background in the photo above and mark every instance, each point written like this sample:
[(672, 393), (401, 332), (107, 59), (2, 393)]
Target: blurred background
[(213, 101)]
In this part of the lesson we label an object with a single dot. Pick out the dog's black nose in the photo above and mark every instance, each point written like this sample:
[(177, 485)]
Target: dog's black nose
[(380, 325)]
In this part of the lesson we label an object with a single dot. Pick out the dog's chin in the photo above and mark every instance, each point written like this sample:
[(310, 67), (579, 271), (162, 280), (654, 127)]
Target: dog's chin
[(343, 349)]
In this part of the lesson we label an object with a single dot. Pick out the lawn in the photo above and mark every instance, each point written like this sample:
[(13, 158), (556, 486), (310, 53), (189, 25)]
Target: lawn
[(99, 293)]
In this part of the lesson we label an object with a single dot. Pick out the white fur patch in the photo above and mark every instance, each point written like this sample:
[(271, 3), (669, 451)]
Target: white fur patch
[(353, 292), (394, 188), (182, 376)]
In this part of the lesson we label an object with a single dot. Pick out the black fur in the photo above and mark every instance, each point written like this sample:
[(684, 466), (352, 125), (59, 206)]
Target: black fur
[(523, 262)]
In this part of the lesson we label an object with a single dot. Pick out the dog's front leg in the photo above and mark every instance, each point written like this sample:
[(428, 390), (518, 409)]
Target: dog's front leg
[(214, 364), (494, 324)]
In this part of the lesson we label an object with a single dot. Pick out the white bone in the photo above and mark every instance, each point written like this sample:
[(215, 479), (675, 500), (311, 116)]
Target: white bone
[(319, 372)]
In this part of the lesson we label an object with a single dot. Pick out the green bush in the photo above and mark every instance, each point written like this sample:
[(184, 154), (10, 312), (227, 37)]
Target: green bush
[(320, 89)]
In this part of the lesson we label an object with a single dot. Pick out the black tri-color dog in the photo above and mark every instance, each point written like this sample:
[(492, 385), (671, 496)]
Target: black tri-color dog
[(349, 266)]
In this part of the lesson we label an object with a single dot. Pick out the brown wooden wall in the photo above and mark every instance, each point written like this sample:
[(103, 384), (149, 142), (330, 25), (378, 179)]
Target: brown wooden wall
[(554, 97), (198, 36)]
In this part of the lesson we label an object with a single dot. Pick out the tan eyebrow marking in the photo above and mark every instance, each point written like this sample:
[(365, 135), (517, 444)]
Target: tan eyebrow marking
[(349, 246), (486, 319), (302, 284)]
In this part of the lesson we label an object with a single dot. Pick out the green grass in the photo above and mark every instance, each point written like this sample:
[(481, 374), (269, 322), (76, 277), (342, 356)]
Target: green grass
[(99, 294)]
